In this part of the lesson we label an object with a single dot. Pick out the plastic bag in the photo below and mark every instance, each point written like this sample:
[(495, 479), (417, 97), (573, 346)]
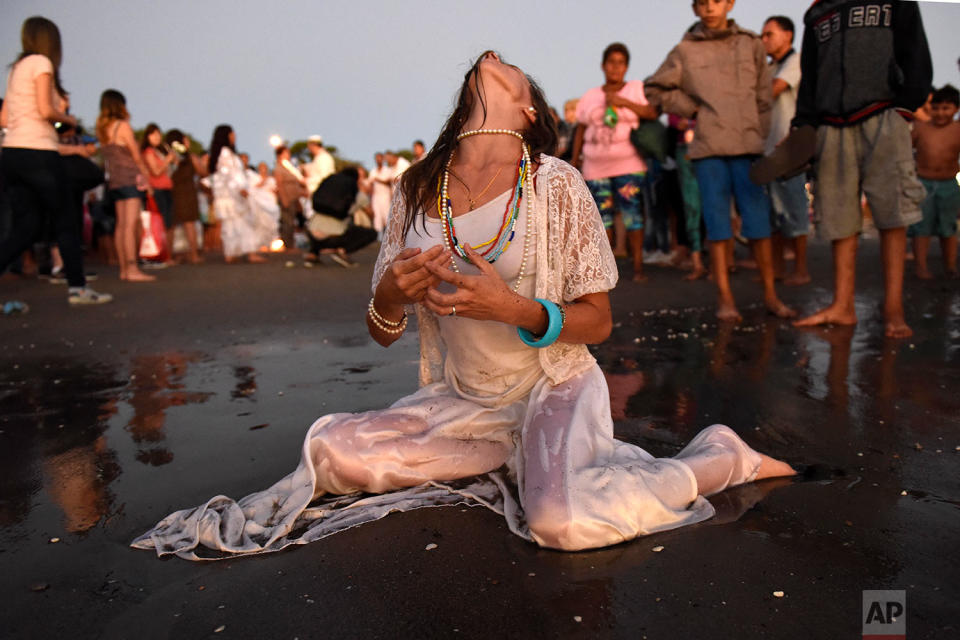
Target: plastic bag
[(153, 241)]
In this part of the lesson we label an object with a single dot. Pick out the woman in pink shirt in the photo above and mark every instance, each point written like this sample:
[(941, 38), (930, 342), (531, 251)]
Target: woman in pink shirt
[(612, 168), (32, 168)]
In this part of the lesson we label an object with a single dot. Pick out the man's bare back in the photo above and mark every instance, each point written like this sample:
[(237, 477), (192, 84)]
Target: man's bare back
[(938, 149)]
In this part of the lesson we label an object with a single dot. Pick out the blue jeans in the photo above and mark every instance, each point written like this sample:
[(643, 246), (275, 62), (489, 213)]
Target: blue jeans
[(724, 177), (791, 208)]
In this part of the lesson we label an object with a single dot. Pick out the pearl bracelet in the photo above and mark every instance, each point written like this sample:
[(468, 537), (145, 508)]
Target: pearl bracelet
[(390, 323), (387, 326)]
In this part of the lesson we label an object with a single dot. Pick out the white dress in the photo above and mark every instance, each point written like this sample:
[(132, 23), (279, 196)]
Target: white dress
[(263, 200), (380, 197), (243, 230), (526, 432)]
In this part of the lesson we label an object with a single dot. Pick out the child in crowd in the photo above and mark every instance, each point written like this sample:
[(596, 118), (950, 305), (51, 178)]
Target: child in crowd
[(861, 64), (718, 74), (938, 146)]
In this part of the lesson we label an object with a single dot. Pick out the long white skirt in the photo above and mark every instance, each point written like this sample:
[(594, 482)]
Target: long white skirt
[(243, 229), (549, 463)]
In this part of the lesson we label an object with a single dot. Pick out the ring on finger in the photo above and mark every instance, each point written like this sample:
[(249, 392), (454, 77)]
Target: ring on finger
[(454, 310)]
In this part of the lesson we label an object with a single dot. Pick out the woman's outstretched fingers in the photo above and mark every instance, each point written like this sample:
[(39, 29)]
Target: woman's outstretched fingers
[(442, 272), (479, 262)]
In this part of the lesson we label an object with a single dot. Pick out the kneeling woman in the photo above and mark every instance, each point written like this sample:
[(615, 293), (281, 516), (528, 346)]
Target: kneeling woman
[(508, 270)]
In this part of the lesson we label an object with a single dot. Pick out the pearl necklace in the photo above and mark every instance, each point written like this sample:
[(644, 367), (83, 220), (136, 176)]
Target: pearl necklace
[(478, 132), (528, 189)]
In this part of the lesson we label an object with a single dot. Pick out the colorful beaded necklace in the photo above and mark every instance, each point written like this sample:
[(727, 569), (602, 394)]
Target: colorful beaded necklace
[(499, 243)]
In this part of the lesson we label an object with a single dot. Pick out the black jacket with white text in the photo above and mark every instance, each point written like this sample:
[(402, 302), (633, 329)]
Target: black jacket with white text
[(860, 57)]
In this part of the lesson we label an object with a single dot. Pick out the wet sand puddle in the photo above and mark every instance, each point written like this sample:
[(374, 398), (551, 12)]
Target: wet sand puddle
[(83, 443), (876, 418)]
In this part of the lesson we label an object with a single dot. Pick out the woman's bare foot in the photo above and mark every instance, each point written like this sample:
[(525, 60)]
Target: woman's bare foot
[(255, 258), (797, 279), (896, 327), (727, 312), (138, 276), (777, 308), (773, 468), (924, 273), (639, 277), (696, 274), (831, 315)]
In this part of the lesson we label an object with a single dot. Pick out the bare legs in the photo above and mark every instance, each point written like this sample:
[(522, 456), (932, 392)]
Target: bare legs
[(636, 248), (841, 311), (948, 246), (635, 239), (698, 270), (800, 274), (948, 249), (726, 306), (190, 230), (761, 249), (125, 239), (893, 246)]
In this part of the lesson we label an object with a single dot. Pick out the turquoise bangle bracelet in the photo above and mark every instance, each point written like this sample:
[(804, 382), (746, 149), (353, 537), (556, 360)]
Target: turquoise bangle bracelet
[(555, 318)]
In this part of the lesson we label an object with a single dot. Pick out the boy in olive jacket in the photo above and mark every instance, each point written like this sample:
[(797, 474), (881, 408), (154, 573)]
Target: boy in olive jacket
[(718, 74)]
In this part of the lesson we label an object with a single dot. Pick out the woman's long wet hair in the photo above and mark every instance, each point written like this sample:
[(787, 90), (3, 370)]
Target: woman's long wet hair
[(113, 106), (221, 139), (39, 35), (418, 184)]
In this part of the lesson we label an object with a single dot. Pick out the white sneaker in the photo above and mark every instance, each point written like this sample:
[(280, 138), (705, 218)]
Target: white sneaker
[(87, 296), (653, 257)]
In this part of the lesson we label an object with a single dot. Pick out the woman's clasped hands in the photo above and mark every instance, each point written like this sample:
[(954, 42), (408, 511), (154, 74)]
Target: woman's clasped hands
[(415, 277), (484, 296)]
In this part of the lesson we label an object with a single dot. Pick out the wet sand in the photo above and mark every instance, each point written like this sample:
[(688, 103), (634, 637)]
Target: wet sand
[(205, 382)]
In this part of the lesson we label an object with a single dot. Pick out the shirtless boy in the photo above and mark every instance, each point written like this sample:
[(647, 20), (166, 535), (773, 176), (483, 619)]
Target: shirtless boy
[(938, 147)]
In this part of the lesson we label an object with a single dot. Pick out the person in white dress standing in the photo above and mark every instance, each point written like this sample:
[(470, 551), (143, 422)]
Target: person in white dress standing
[(381, 181), (242, 232), (263, 199), (513, 412)]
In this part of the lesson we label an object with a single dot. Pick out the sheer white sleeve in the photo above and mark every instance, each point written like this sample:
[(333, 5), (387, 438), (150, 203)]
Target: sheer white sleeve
[(588, 265), (393, 238)]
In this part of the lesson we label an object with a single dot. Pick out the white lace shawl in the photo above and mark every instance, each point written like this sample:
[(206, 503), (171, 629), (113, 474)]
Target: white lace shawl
[(573, 259)]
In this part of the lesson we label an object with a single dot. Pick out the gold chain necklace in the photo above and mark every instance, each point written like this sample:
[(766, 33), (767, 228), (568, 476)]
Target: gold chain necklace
[(473, 203)]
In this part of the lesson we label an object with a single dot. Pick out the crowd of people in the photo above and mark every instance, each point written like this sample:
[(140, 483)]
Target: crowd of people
[(733, 97), (147, 201), (675, 195)]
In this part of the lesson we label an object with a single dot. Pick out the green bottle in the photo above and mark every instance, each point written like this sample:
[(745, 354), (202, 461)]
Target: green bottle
[(610, 117)]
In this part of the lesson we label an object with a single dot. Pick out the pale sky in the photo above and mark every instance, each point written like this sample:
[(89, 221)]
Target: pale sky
[(366, 75)]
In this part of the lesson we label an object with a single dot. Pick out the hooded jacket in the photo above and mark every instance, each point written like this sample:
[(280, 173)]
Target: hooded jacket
[(860, 57), (720, 77)]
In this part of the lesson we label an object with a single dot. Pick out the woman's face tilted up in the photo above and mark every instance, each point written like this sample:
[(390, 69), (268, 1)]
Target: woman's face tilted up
[(506, 91)]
